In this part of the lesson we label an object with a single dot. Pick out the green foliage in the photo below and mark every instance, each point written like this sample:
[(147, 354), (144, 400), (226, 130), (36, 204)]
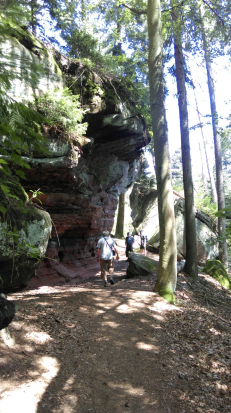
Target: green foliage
[(35, 195), (177, 171), (223, 213), (80, 44), (19, 138), (63, 110), (145, 183), (217, 270), (204, 202)]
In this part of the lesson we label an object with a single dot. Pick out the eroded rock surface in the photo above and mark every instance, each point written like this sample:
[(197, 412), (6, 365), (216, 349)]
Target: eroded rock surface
[(17, 264), (81, 196), (81, 178), (145, 216)]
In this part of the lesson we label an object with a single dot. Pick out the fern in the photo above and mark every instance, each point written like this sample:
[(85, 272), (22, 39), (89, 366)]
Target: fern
[(63, 110)]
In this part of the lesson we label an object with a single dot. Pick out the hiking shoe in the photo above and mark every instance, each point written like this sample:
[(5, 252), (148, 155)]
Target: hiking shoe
[(105, 284), (111, 281)]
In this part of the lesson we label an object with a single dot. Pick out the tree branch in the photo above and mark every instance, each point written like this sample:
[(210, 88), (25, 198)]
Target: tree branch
[(135, 10), (214, 11), (174, 7)]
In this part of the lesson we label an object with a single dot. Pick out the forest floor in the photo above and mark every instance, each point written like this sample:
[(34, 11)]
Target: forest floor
[(78, 348)]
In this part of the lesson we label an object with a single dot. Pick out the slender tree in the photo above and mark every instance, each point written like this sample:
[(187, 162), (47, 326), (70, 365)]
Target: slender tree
[(217, 147), (209, 169), (120, 217), (166, 280), (191, 265)]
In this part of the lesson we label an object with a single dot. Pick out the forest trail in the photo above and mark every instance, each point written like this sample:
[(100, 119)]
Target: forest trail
[(122, 349)]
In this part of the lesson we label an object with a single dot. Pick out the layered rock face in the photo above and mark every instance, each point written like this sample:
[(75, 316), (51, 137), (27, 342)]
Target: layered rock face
[(145, 216), (80, 182), (81, 196)]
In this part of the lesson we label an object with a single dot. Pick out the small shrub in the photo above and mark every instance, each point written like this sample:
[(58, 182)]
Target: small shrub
[(63, 111)]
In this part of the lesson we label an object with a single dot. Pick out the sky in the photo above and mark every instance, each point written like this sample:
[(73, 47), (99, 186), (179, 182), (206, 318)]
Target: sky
[(222, 76)]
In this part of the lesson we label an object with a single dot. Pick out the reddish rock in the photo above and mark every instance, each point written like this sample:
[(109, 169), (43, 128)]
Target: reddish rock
[(81, 197)]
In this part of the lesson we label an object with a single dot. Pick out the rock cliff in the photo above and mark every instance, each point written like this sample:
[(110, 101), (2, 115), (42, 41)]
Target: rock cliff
[(81, 182)]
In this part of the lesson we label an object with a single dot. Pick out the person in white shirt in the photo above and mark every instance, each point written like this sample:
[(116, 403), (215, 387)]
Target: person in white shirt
[(105, 255)]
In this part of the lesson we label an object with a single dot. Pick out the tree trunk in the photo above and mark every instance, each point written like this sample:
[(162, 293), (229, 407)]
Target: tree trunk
[(166, 280), (191, 265), (120, 218), (217, 149), (83, 11), (210, 172), (204, 178)]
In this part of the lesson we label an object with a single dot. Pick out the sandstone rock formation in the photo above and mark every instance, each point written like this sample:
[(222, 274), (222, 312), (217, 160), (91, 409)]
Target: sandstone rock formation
[(80, 179), (145, 216), (82, 196)]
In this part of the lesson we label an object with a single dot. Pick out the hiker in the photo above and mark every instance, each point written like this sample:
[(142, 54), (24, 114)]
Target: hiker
[(105, 252), (142, 242), (129, 241)]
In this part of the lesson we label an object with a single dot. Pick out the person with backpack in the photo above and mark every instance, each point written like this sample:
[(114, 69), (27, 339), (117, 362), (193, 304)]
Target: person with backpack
[(129, 240), (143, 242), (105, 252)]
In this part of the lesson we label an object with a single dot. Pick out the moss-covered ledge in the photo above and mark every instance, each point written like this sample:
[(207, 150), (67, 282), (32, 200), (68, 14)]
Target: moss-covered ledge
[(217, 270)]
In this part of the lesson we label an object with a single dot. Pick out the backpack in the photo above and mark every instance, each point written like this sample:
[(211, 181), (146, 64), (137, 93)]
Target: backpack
[(130, 240)]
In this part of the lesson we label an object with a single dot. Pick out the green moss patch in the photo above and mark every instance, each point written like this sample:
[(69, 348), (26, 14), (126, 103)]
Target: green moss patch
[(167, 294), (148, 264), (217, 270), (27, 39), (22, 35)]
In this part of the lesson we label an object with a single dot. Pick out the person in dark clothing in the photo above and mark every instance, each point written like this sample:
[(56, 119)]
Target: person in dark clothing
[(129, 240)]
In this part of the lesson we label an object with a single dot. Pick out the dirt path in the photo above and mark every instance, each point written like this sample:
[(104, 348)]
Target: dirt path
[(84, 348)]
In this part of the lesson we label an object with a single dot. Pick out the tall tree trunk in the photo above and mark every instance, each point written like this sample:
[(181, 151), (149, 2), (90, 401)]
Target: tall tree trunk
[(217, 148), (167, 274), (204, 179), (210, 172), (120, 218), (191, 265), (83, 11)]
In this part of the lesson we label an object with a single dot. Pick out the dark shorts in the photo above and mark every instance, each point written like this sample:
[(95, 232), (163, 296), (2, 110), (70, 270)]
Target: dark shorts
[(129, 248)]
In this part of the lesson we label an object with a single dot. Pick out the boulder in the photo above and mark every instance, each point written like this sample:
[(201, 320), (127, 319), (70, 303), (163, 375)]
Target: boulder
[(217, 270), (145, 216), (139, 265), (7, 311), (207, 247), (17, 262)]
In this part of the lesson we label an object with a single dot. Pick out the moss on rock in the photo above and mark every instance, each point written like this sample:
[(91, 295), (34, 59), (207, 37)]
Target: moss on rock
[(147, 263), (217, 270)]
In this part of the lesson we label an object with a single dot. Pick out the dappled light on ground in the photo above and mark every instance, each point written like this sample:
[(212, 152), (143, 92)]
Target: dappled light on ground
[(119, 349), (25, 396)]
